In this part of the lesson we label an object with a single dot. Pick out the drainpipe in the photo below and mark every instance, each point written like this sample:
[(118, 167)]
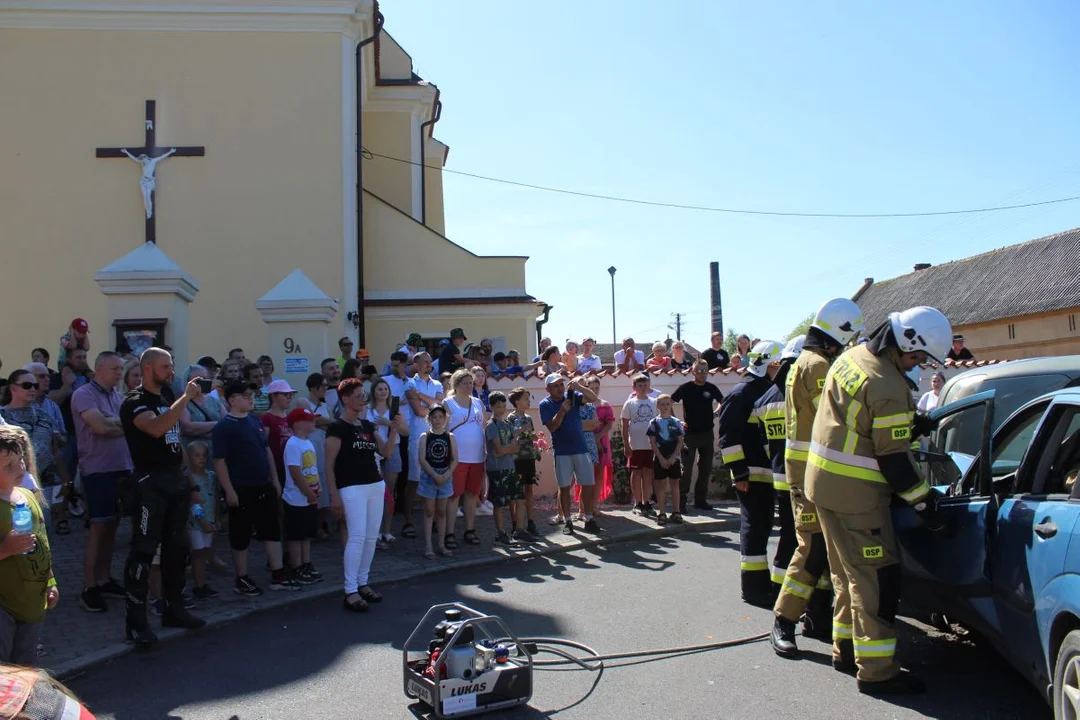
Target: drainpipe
[(359, 319), (435, 115), (540, 323)]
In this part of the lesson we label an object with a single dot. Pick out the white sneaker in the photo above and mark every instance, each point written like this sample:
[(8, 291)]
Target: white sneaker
[(460, 513), (389, 538), (485, 508)]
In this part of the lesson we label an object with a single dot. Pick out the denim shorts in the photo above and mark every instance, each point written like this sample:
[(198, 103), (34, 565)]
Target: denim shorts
[(100, 490), (569, 468), (430, 490)]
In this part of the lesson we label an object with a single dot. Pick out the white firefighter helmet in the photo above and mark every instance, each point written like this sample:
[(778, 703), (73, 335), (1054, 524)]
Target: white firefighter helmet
[(922, 328), (793, 348), (840, 319), (762, 355)]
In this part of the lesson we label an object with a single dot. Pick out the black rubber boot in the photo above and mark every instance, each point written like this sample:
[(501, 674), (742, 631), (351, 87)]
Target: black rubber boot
[(846, 663), (817, 620), (782, 638), (905, 683), (177, 616), (757, 588), (141, 636)]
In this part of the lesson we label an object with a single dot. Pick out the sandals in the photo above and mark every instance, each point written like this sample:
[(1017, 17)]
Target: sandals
[(62, 527), (446, 552), (369, 595), (450, 541), (470, 537), (357, 606), (408, 531), (429, 554)]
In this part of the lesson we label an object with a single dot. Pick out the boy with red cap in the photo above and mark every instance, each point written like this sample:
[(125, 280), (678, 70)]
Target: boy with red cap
[(76, 337), (301, 496)]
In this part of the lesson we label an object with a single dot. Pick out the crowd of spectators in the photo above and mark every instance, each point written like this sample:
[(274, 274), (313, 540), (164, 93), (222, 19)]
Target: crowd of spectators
[(262, 460)]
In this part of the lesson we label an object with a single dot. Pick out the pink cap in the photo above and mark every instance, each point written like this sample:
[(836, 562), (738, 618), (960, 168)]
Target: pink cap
[(279, 386)]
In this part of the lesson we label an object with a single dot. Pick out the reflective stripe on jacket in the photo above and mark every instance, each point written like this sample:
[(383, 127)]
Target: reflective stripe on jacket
[(865, 412), (769, 410), (805, 383), (741, 444)]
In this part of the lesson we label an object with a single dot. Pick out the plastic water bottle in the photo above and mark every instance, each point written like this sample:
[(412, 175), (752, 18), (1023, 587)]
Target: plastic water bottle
[(198, 512), (22, 520)]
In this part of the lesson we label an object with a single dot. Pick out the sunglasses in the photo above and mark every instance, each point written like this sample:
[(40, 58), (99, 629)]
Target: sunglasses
[(26, 385)]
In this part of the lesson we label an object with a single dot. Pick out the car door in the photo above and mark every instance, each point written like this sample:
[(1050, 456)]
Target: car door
[(1034, 528), (946, 572)]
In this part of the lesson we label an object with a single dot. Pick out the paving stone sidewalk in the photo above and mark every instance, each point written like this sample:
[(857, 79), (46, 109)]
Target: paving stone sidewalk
[(75, 639)]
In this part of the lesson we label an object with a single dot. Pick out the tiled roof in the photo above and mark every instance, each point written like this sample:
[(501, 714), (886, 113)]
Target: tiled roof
[(1033, 277)]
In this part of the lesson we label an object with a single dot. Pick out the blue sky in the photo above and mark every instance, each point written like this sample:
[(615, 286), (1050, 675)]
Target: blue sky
[(816, 107)]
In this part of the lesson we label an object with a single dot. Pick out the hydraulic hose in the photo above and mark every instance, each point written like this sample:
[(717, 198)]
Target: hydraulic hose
[(594, 661)]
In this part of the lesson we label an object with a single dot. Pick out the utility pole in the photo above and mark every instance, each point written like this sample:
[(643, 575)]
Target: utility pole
[(677, 325)]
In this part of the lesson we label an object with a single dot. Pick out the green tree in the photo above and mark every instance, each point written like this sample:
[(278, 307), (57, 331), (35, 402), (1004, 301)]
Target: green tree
[(801, 327), (731, 341)]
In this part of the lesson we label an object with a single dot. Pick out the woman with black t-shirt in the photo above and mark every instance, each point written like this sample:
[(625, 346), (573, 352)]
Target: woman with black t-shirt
[(357, 488)]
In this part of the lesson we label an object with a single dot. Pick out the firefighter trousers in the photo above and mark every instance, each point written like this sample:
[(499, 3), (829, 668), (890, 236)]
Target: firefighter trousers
[(806, 587), (866, 576), (786, 544), (756, 510)]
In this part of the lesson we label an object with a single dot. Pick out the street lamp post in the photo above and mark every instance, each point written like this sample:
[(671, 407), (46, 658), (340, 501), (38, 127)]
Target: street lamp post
[(614, 337)]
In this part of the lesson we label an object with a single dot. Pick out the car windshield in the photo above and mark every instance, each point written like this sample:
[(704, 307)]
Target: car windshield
[(1010, 394)]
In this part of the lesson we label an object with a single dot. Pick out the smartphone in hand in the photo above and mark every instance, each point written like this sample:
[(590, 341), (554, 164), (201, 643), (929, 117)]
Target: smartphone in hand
[(205, 385), (395, 406)]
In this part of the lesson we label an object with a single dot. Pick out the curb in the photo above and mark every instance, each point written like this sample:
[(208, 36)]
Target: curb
[(73, 668)]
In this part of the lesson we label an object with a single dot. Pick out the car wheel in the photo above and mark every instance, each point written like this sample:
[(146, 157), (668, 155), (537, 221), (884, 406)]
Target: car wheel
[(1067, 679)]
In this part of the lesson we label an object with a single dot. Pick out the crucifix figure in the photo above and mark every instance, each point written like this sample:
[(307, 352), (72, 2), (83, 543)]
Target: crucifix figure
[(147, 181), (148, 156)]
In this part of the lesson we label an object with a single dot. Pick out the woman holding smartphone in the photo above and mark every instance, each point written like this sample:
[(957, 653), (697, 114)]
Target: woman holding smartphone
[(200, 416), (383, 413)]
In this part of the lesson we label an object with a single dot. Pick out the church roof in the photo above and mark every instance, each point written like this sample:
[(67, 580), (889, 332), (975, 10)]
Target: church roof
[(1033, 277)]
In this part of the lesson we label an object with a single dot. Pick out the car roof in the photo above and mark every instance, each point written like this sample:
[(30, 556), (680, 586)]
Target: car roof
[(1063, 365)]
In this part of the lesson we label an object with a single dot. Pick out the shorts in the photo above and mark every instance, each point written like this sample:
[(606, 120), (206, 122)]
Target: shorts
[(430, 490), (256, 514), (392, 463), (667, 473), (301, 523), (468, 478), (504, 487), (571, 467), (200, 540), (640, 459), (100, 491), (526, 470)]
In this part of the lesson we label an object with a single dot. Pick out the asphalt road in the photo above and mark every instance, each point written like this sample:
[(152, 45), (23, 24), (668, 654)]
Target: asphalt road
[(313, 660)]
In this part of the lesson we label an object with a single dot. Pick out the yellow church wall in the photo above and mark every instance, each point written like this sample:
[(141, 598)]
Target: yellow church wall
[(389, 133), (392, 241), (265, 199), (433, 192)]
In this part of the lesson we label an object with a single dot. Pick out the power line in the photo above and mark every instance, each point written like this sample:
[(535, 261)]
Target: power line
[(367, 154)]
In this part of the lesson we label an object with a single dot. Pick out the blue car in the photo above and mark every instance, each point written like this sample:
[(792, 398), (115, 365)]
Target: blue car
[(1008, 564)]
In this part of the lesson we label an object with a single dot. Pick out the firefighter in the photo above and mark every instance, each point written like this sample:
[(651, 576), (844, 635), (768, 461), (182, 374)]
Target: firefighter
[(769, 410), (744, 455), (860, 455), (806, 592)]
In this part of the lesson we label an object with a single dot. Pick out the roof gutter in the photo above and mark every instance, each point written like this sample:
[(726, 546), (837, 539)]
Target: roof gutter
[(540, 323), (358, 319), (436, 113)]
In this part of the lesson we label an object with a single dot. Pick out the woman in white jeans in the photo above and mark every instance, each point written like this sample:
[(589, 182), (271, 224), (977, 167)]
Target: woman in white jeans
[(357, 488)]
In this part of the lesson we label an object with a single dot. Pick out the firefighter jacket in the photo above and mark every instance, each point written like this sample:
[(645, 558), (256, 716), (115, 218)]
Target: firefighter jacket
[(769, 410), (741, 444), (860, 448), (805, 382)]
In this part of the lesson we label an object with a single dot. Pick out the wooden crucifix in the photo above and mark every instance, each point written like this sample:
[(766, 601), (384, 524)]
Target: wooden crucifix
[(148, 156)]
